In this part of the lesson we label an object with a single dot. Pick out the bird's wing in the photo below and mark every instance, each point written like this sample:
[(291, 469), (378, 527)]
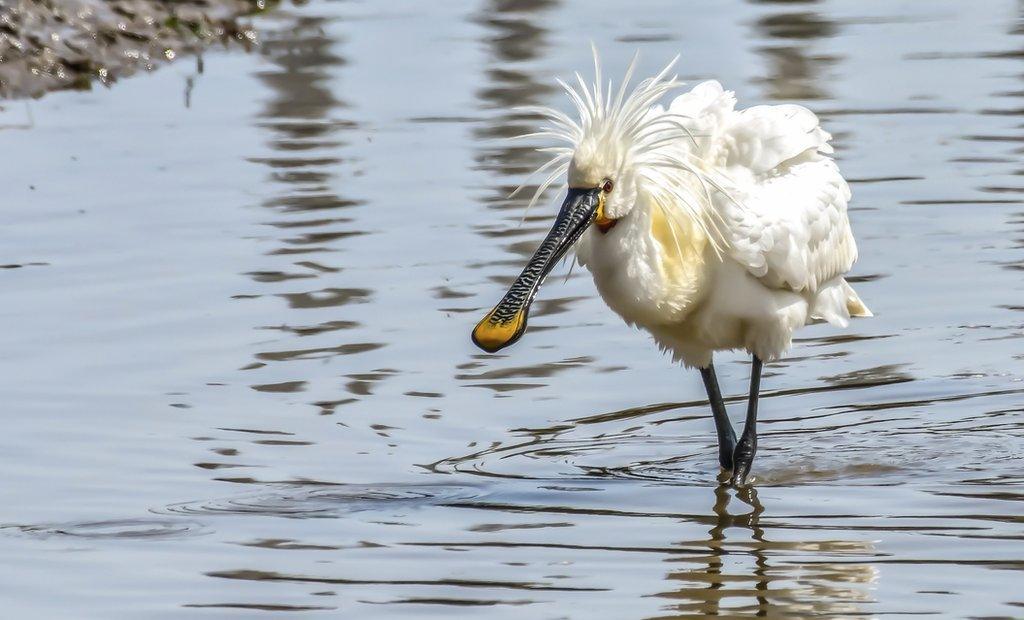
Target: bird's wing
[(786, 220), (792, 231)]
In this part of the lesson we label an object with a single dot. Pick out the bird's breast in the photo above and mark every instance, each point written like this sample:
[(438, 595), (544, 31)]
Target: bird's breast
[(648, 269)]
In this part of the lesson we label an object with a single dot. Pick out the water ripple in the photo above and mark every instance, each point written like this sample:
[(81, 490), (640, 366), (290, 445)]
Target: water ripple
[(302, 502), (142, 529)]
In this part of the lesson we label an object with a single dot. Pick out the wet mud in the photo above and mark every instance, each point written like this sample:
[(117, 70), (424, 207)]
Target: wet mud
[(48, 45)]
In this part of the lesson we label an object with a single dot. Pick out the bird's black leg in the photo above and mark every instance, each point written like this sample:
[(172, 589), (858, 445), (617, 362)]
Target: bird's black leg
[(726, 436), (743, 457)]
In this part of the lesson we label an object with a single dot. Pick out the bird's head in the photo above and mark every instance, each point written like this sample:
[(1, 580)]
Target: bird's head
[(600, 163), (616, 149)]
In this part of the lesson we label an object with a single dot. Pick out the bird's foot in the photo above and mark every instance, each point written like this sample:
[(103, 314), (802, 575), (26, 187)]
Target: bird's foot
[(743, 459)]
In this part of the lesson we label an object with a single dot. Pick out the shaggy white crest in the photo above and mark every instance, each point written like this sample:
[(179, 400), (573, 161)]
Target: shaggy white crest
[(618, 135)]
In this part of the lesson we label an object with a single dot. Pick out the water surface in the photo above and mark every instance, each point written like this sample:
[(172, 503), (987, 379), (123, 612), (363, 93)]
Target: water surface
[(237, 373)]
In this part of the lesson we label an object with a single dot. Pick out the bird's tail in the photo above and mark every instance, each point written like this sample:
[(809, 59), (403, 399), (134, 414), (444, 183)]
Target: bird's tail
[(836, 302), (854, 305)]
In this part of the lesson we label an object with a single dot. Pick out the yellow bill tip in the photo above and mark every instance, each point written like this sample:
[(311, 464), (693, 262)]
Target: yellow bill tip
[(492, 334)]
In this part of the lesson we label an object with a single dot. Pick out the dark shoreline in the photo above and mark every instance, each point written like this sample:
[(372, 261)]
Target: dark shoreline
[(48, 45)]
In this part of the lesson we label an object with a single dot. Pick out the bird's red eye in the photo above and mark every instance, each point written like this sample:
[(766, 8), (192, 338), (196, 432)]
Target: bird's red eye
[(607, 186)]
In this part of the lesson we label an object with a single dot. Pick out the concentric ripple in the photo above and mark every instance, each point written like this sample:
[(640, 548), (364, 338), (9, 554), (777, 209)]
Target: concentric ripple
[(864, 439)]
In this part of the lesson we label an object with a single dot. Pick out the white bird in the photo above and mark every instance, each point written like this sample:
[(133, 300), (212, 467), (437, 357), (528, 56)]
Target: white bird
[(709, 227)]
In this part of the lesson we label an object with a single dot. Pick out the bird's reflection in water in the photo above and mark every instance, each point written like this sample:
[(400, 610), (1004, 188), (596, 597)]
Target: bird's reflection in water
[(747, 569)]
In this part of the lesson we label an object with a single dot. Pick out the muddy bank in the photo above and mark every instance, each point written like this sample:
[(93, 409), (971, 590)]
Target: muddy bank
[(49, 45)]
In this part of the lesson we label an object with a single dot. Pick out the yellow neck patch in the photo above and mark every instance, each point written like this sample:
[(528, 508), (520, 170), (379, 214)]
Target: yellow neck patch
[(682, 250)]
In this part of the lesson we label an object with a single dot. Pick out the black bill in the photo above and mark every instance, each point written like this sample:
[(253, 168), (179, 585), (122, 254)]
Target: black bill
[(506, 323)]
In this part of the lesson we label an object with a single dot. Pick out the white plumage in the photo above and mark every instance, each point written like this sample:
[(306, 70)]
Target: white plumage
[(728, 228), (709, 227)]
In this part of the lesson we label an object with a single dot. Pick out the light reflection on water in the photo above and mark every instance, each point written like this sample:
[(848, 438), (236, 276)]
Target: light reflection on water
[(243, 380)]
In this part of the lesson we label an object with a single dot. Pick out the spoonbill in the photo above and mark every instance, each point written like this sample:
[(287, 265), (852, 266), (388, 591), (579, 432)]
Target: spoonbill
[(710, 227)]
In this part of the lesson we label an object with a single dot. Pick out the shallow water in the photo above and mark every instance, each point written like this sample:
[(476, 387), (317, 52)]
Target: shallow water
[(237, 372)]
